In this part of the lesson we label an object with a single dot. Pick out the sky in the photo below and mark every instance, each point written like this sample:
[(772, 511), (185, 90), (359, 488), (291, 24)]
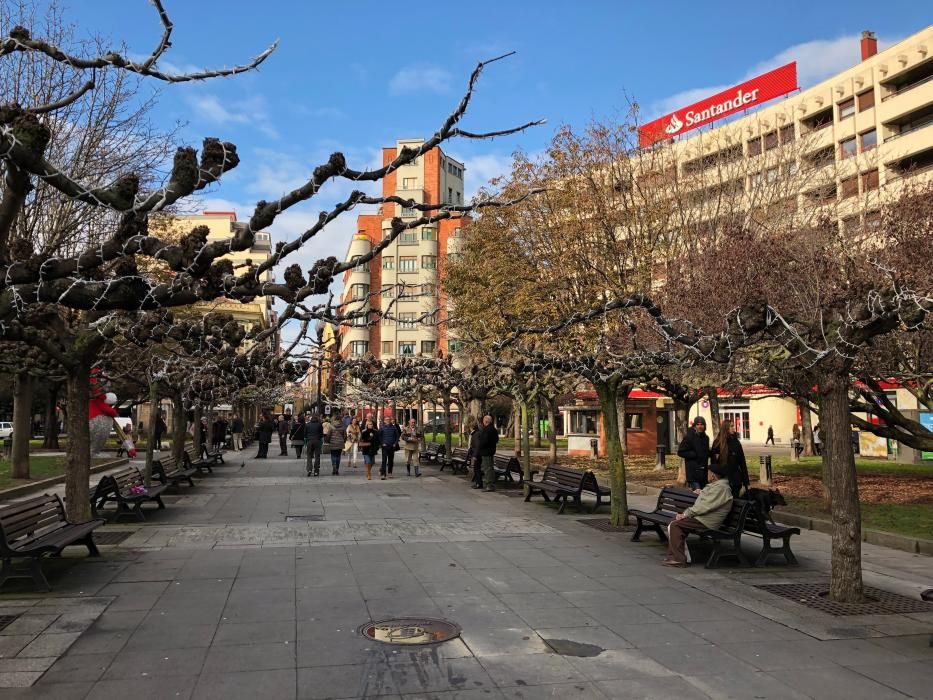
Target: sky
[(355, 76)]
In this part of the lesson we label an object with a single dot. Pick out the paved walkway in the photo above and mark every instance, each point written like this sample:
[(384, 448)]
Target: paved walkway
[(254, 583)]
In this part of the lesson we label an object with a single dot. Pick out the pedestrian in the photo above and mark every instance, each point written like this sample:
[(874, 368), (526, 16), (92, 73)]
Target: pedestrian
[(353, 440), (817, 441), (473, 458), (770, 435), (369, 446), (728, 454), (236, 429), (221, 437), (708, 512), (202, 431), (160, 428), (314, 439), (284, 428), (297, 435), (346, 420), (337, 439), (486, 447), (389, 435), (411, 440), (796, 442), (694, 449), (264, 431)]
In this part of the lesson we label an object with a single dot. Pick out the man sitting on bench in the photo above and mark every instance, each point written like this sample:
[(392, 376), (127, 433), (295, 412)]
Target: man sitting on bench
[(708, 513)]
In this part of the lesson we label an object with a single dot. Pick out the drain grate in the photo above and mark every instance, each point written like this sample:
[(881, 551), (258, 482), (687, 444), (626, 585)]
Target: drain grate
[(112, 536), (303, 518), (603, 525), (411, 630), (878, 602), (398, 495), (6, 620)]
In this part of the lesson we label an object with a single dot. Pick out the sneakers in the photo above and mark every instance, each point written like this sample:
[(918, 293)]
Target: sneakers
[(489, 488), (676, 564)]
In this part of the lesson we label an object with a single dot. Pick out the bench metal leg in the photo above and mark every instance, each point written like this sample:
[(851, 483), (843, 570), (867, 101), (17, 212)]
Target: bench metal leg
[(528, 495), (789, 555), (35, 568), (563, 503), (190, 482), (92, 550), (158, 499), (639, 526)]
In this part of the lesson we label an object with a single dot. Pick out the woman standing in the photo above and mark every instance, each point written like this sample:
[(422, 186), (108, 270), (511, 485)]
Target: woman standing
[(337, 437), (297, 436), (353, 438), (369, 446), (473, 456), (728, 458), (264, 431)]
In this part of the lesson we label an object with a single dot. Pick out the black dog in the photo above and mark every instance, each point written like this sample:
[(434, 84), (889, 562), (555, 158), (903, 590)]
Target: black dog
[(765, 500)]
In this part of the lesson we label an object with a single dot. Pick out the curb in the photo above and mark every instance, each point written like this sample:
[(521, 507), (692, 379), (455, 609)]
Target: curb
[(26, 489), (914, 545)]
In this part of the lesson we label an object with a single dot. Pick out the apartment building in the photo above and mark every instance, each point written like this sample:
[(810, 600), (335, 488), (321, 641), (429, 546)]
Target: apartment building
[(406, 281)]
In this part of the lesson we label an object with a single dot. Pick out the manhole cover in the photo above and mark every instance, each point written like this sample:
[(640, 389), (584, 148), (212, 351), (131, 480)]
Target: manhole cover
[(111, 536), (411, 630), (6, 620), (603, 525), (303, 518), (877, 601)]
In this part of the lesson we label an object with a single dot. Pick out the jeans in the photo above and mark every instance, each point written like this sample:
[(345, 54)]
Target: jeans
[(263, 450), (354, 448), (694, 486), (283, 444), (489, 474), (238, 441), (335, 456), (477, 473), (388, 460), (313, 458), (297, 447)]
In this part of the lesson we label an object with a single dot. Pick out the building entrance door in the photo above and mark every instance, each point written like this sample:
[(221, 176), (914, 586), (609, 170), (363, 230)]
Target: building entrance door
[(664, 429), (739, 415)]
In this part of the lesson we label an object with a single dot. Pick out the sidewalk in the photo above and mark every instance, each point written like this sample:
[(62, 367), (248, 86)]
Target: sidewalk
[(255, 582)]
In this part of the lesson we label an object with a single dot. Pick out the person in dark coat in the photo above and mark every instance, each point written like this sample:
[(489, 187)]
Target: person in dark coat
[(160, 429), (473, 456), (236, 430), (314, 438), (264, 431), (285, 429), (337, 438), (369, 445), (727, 458), (389, 435), (297, 436), (694, 449), (486, 447)]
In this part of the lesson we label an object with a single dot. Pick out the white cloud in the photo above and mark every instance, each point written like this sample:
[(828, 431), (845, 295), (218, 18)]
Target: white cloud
[(422, 78), (483, 168), (250, 112)]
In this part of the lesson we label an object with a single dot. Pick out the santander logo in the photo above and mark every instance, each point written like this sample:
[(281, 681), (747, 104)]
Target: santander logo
[(675, 125)]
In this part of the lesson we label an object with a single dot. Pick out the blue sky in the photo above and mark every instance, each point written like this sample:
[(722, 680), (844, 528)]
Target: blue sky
[(354, 76)]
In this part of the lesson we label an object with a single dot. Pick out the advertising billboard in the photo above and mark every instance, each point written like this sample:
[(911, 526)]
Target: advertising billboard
[(926, 420)]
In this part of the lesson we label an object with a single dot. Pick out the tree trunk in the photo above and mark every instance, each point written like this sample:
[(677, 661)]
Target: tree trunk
[(447, 427), (22, 424), (517, 415), (179, 424), (552, 427), (806, 427), (153, 419), (846, 573), (526, 443), (619, 500), (715, 418), (210, 428), (621, 399), (537, 426), (50, 438), (197, 430), (78, 454)]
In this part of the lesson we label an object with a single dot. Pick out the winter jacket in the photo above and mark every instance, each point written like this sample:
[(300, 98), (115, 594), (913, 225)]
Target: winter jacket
[(264, 431), (735, 469), (389, 434), (712, 505), (694, 449), (314, 432), (473, 449), (337, 437), (298, 432), (285, 427), (370, 435), (236, 426), (487, 441)]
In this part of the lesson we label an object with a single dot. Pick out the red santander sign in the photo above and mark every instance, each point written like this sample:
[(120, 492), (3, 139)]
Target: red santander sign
[(752, 92)]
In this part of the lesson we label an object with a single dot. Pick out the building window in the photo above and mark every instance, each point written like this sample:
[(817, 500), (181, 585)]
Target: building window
[(406, 321), (870, 180), (410, 236), (429, 234), (387, 347), (388, 263), (358, 348), (454, 257), (458, 232), (873, 220), (428, 347), (360, 321), (583, 422), (428, 262), (429, 290), (388, 321), (787, 134), (408, 291), (754, 147), (771, 141), (866, 100), (388, 292), (771, 175), (847, 148), (357, 265), (359, 291), (409, 183), (459, 198), (791, 169), (454, 346), (408, 212), (634, 422), (450, 195), (869, 139), (847, 108), (849, 187), (407, 348), (408, 264)]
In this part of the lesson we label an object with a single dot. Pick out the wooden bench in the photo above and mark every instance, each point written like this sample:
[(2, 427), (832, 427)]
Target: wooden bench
[(216, 457), (192, 461), (672, 501), (126, 488), (759, 525), (508, 466), (459, 460), (36, 527), (564, 483), (432, 452), (167, 470)]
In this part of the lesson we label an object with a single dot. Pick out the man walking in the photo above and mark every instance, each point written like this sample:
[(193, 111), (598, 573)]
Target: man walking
[(314, 438), (412, 439), (694, 449), (488, 440), (389, 435), (264, 434), (236, 430), (770, 435), (285, 427), (707, 513)]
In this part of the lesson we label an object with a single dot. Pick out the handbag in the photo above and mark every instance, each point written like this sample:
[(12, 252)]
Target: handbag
[(325, 447), (347, 445)]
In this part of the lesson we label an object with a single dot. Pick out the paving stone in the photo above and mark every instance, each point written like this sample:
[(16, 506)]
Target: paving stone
[(229, 633), (149, 688), (26, 664), (443, 674), (836, 683), (46, 645), (18, 679), (514, 640), (73, 668), (914, 678), (654, 688), (356, 681), (509, 670), (251, 657), (280, 684)]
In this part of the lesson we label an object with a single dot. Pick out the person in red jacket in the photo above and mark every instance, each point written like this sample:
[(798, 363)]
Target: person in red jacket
[(100, 415)]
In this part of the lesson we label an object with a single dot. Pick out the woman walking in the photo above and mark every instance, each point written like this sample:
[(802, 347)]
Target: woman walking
[(727, 458), (353, 440), (369, 446), (337, 437), (297, 436)]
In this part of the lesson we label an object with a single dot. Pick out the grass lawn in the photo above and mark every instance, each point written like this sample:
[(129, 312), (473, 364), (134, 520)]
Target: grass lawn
[(909, 519), (506, 444), (40, 467), (812, 466)]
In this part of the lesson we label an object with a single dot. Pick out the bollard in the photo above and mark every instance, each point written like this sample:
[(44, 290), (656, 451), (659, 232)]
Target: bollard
[(764, 470), (662, 455)]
